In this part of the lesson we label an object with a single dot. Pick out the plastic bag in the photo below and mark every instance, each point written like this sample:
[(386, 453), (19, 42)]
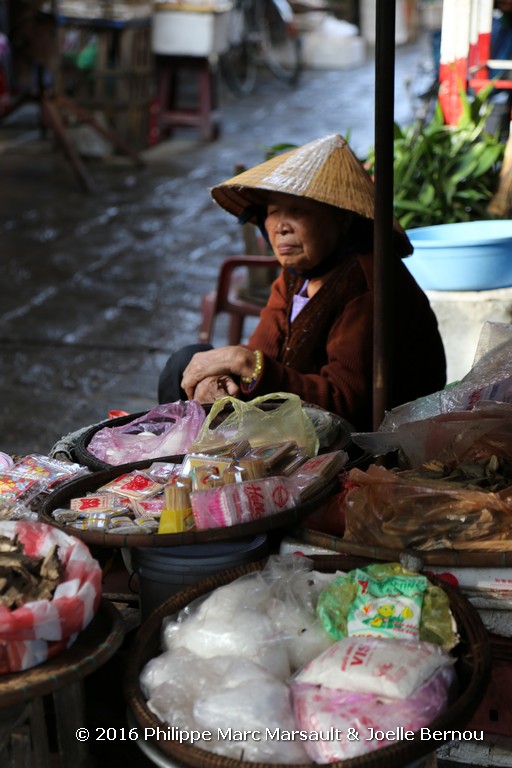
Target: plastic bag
[(377, 665), (400, 510), (257, 706), (426, 606), (268, 617), (489, 379), (49, 472), (287, 421), (166, 430), (227, 694), (331, 711), (460, 436)]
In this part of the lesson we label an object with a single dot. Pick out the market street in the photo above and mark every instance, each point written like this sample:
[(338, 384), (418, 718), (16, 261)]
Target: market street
[(97, 289)]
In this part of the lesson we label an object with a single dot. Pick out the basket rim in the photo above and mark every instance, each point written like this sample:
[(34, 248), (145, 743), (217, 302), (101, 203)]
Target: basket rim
[(478, 651), (92, 481), (440, 557), (84, 456)]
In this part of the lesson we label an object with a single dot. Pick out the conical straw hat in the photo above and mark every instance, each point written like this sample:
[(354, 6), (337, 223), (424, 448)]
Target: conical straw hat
[(325, 170)]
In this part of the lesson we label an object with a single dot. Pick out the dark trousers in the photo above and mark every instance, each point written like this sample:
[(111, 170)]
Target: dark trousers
[(169, 383)]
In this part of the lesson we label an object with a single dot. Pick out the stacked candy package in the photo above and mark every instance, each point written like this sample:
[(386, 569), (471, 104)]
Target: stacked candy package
[(236, 484)]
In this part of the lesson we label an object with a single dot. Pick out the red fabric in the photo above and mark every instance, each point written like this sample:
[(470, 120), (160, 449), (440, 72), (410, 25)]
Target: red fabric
[(326, 354)]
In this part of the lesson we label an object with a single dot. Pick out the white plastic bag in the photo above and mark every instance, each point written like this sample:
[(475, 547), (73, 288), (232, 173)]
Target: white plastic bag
[(388, 667)]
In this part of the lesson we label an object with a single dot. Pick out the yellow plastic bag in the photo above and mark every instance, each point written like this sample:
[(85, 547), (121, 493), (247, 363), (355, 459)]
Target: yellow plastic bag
[(271, 418)]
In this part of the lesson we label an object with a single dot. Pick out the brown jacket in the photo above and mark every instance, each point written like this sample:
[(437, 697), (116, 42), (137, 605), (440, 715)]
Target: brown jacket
[(326, 354)]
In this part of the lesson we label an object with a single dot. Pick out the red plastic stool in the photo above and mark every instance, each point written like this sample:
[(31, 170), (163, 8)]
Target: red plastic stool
[(176, 75), (228, 296)]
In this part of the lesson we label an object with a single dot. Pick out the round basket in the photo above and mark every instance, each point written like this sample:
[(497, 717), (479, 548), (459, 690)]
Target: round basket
[(472, 668), (94, 646), (90, 483)]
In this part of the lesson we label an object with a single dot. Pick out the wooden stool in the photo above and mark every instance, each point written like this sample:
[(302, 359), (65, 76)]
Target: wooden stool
[(174, 79)]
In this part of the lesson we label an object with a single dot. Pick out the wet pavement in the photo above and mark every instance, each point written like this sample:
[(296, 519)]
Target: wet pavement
[(97, 289)]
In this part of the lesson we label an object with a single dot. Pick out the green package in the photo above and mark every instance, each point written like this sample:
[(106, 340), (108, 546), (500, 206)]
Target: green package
[(387, 600), (386, 607)]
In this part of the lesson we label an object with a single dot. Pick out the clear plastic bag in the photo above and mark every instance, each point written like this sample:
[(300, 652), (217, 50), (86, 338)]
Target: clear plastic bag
[(490, 379), (222, 696), (399, 510), (166, 430), (260, 425), (323, 709), (268, 617)]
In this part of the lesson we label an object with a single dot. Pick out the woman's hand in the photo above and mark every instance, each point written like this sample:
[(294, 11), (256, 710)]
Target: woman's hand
[(214, 387), (231, 362)]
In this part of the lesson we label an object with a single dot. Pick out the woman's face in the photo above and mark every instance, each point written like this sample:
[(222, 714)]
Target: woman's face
[(302, 232)]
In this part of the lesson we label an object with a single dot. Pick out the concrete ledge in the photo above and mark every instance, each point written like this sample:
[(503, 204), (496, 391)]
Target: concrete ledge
[(461, 315)]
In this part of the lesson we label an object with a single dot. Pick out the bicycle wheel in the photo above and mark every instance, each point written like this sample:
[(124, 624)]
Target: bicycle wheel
[(281, 46), (238, 65)]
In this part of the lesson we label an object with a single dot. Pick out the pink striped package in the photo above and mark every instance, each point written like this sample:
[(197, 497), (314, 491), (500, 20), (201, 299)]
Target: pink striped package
[(36, 631), (243, 502)]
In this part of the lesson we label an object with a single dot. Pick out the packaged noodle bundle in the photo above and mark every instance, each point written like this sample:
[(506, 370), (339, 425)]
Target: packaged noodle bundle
[(386, 600), (382, 666)]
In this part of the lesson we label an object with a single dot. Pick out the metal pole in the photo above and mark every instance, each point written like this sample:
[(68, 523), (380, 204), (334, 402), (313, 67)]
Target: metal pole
[(383, 231)]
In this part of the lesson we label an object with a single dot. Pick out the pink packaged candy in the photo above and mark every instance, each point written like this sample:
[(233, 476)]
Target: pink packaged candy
[(377, 720), (243, 502), (135, 485), (99, 502)]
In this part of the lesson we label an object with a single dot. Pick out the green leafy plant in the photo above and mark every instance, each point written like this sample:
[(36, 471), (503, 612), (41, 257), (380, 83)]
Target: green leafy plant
[(443, 173)]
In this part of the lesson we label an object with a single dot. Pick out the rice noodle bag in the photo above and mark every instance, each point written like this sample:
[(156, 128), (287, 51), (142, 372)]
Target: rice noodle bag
[(392, 668)]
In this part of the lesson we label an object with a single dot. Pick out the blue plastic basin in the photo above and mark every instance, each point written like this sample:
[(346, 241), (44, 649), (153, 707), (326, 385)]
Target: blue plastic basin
[(467, 256)]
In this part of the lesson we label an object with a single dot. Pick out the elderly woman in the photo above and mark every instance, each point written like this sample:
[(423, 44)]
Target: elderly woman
[(315, 205)]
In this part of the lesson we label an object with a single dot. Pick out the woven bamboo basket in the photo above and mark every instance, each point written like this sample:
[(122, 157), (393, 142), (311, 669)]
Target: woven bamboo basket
[(472, 667), (448, 557), (93, 647), (90, 483)]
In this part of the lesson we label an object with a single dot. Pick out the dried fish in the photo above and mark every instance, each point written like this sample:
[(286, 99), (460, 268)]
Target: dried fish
[(26, 578)]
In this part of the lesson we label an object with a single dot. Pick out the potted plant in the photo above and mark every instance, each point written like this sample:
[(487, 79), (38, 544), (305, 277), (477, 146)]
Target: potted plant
[(444, 179)]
